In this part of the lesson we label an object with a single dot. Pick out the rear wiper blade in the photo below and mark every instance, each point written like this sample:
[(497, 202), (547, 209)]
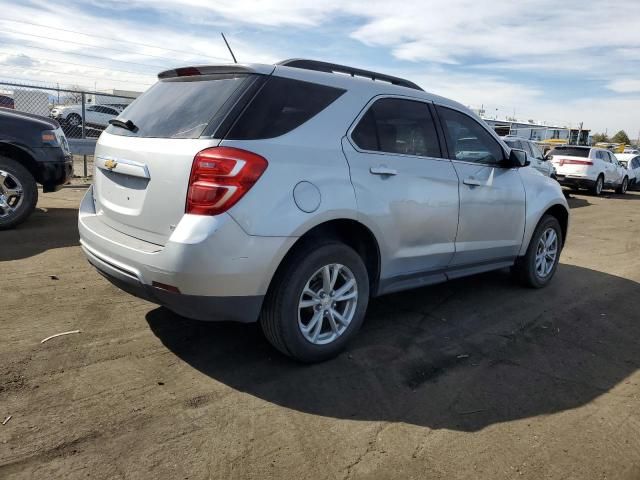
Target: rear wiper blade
[(126, 124)]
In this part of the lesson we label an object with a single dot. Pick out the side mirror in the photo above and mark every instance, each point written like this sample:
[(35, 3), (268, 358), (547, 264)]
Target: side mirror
[(518, 158)]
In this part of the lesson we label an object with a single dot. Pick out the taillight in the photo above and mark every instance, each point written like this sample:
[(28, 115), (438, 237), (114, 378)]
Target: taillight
[(220, 176)]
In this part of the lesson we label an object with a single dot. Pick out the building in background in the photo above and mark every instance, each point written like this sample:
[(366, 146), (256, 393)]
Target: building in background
[(541, 133)]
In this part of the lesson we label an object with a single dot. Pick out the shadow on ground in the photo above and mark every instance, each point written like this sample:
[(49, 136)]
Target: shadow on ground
[(462, 355), (43, 230)]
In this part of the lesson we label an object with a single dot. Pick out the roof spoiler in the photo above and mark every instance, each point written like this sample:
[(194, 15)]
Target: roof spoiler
[(230, 69), (354, 72)]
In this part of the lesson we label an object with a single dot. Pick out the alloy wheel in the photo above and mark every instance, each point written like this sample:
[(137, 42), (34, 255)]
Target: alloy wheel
[(11, 194), (599, 185), (546, 252), (327, 304)]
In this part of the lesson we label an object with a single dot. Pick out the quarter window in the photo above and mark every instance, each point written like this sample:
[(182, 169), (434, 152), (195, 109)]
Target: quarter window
[(398, 126), (282, 105), (468, 140)]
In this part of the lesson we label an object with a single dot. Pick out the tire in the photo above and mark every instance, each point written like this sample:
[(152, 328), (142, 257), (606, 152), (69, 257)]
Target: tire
[(526, 268), (74, 120), (283, 319), (18, 193), (622, 189), (598, 186)]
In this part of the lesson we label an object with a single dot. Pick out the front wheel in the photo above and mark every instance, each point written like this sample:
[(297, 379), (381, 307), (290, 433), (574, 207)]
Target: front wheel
[(18, 193), (316, 302), (539, 264), (74, 120)]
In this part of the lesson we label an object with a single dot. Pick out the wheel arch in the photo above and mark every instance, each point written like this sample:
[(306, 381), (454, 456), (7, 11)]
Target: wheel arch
[(349, 231), (22, 156), (561, 213)]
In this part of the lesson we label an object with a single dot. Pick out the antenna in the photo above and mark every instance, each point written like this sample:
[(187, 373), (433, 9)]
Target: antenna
[(230, 51)]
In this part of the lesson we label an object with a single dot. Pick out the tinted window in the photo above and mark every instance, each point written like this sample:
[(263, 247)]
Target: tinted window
[(398, 126), (180, 107), (468, 140), (282, 105), (513, 143), (572, 152)]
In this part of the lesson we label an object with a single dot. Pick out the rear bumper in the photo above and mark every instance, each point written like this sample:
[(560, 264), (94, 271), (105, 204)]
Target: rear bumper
[(243, 309), (573, 181), (221, 273)]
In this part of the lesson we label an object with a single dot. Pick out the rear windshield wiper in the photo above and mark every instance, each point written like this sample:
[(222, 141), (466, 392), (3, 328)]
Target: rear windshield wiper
[(126, 124)]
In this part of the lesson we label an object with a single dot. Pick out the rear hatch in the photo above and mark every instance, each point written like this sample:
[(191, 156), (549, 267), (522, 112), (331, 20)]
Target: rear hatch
[(142, 168), (570, 160)]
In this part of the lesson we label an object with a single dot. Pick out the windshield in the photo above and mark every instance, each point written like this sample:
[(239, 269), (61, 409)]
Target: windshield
[(180, 108)]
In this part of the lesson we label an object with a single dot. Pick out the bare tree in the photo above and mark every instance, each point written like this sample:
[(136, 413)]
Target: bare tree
[(72, 97)]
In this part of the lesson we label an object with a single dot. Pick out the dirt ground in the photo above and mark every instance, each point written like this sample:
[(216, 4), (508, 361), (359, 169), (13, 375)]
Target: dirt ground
[(477, 378)]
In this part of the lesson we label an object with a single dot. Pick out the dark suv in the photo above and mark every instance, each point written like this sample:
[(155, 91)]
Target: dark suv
[(32, 149)]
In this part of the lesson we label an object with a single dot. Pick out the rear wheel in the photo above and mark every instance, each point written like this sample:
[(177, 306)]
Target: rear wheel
[(18, 193), (317, 302), (622, 189), (538, 266), (598, 186)]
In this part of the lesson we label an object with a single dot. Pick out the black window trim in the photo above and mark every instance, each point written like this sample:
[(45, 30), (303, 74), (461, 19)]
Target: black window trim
[(429, 103), (452, 158)]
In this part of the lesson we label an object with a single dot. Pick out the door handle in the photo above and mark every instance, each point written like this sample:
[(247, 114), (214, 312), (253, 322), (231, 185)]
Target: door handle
[(383, 171), (474, 182)]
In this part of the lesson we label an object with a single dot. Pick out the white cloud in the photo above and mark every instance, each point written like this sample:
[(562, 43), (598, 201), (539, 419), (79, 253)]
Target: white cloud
[(475, 51), (625, 85)]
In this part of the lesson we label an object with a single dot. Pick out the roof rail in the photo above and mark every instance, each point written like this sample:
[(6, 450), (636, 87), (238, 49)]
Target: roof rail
[(354, 72)]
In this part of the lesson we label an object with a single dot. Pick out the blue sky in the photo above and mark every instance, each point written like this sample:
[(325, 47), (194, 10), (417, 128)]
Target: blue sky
[(562, 62)]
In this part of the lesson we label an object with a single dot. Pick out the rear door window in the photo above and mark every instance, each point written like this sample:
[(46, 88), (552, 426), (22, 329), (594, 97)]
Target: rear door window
[(398, 126), (282, 105), (181, 107)]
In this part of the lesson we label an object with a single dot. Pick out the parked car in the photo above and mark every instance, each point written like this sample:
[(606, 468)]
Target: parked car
[(635, 151), (537, 158), (7, 102), (96, 115), (631, 162), (291, 195), (588, 167), (33, 149)]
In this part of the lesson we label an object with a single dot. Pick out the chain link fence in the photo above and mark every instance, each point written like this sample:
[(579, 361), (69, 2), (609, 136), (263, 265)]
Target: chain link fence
[(82, 114)]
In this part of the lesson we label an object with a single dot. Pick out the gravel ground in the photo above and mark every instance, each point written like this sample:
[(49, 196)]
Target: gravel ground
[(476, 378)]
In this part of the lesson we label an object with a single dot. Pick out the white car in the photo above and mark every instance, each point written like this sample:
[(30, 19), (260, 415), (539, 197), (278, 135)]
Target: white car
[(588, 167), (631, 161), (96, 115), (538, 160)]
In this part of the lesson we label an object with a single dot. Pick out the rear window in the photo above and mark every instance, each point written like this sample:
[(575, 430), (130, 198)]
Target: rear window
[(182, 107), (570, 152), (282, 105)]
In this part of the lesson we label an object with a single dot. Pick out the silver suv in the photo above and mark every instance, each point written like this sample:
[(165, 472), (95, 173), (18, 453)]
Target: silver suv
[(291, 194)]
